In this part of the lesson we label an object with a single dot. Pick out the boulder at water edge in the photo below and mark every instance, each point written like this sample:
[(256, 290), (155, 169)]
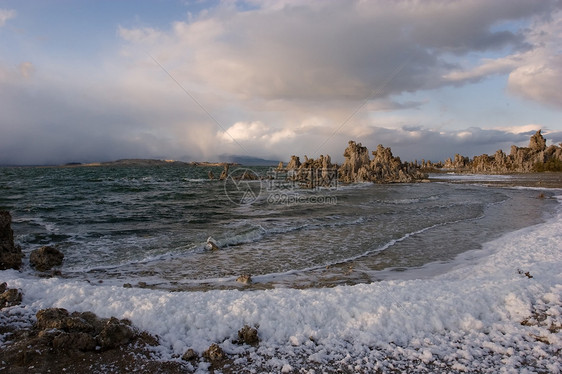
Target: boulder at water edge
[(45, 258), (10, 255)]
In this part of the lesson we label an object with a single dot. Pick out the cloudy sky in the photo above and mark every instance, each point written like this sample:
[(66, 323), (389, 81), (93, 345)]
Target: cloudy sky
[(84, 81)]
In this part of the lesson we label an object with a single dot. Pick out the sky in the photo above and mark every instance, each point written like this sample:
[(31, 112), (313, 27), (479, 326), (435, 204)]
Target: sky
[(87, 81)]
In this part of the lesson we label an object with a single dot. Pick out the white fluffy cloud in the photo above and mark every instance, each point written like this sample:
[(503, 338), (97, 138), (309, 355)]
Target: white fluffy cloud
[(5, 15), (254, 132), (539, 74), (244, 131), (539, 81), (534, 73)]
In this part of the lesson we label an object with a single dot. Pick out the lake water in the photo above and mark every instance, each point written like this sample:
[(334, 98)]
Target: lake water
[(144, 224)]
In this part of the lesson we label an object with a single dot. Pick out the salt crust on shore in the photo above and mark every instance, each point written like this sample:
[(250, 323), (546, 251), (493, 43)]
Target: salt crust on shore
[(468, 319)]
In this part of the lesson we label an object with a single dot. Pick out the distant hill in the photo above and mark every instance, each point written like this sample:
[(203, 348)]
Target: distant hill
[(125, 162), (226, 159), (142, 162), (249, 161)]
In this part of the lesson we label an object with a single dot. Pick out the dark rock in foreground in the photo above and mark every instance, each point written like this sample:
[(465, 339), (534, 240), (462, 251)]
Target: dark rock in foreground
[(78, 343), (9, 296), (190, 355), (214, 353), (10, 255), (82, 331), (45, 258), (248, 335)]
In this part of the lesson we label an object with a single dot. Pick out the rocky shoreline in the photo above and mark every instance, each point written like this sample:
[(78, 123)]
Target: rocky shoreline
[(59, 341), (55, 340)]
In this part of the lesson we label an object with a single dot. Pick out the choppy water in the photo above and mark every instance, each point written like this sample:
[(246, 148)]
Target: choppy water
[(150, 224)]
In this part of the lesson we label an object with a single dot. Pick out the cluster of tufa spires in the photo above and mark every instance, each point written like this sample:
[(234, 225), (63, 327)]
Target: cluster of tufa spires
[(357, 167), (537, 157)]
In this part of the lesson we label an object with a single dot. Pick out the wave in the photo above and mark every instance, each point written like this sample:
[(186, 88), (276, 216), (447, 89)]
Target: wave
[(242, 234), (167, 256), (385, 246), (259, 232), (532, 188), (405, 201), (50, 227), (477, 177), (251, 235), (198, 180), (269, 277)]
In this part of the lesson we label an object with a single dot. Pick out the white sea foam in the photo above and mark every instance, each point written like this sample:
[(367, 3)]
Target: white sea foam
[(469, 177), (468, 319)]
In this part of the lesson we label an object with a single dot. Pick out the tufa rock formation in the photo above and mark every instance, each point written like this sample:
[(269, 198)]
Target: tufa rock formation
[(459, 162), (294, 164), (389, 169), (537, 157), (248, 175), (383, 168), (357, 167), (10, 255), (237, 174), (537, 143), (315, 173), (45, 258), (224, 173)]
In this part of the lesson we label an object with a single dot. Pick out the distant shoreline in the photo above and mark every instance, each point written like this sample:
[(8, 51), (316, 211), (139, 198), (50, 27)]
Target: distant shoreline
[(550, 179), (146, 162), (546, 179), (128, 162)]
